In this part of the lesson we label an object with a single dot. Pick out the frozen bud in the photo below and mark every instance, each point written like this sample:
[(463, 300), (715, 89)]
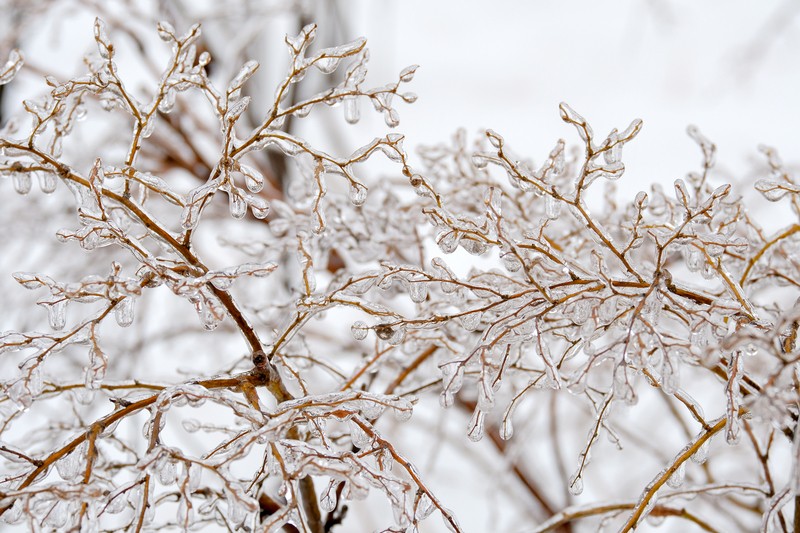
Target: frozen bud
[(166, 32), (495, 139), (480, 161), (407, 74), (569, 115), (359, 330), (244, 74), (11, 67)]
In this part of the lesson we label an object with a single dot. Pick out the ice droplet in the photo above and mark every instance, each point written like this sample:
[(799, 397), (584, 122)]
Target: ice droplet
[(327, 65), (22, 182), (391, 118), (473, 246), (47, 182), (392, 335), (446, 399), (57, 314), (69, 466), (166, 471), (495, 138), (701, 454), (359, 330), (116, 505), (480, 161), (733, 430), (352, 110), (358, 194), (575, 486), (476, 425), (166, 32), (327, 501), (252, 178), (511, 262), (14, 514), (402, 413), (236, 512), (58, 515), (471, 321), (424, 507), (417, 291), (448, 241), (123, 312), (676, 479), (191, 425), (11, 67), (303, 111), (450, 521), (237, 204), (552, 207), (259, 206), (358, 436), (407, 74), (506, 428)]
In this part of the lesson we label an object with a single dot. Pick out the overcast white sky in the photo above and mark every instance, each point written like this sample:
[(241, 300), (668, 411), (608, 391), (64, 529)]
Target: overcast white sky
[(730, 67)]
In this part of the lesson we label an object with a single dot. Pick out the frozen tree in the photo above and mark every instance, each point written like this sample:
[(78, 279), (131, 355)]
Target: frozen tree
[(257, 320)]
